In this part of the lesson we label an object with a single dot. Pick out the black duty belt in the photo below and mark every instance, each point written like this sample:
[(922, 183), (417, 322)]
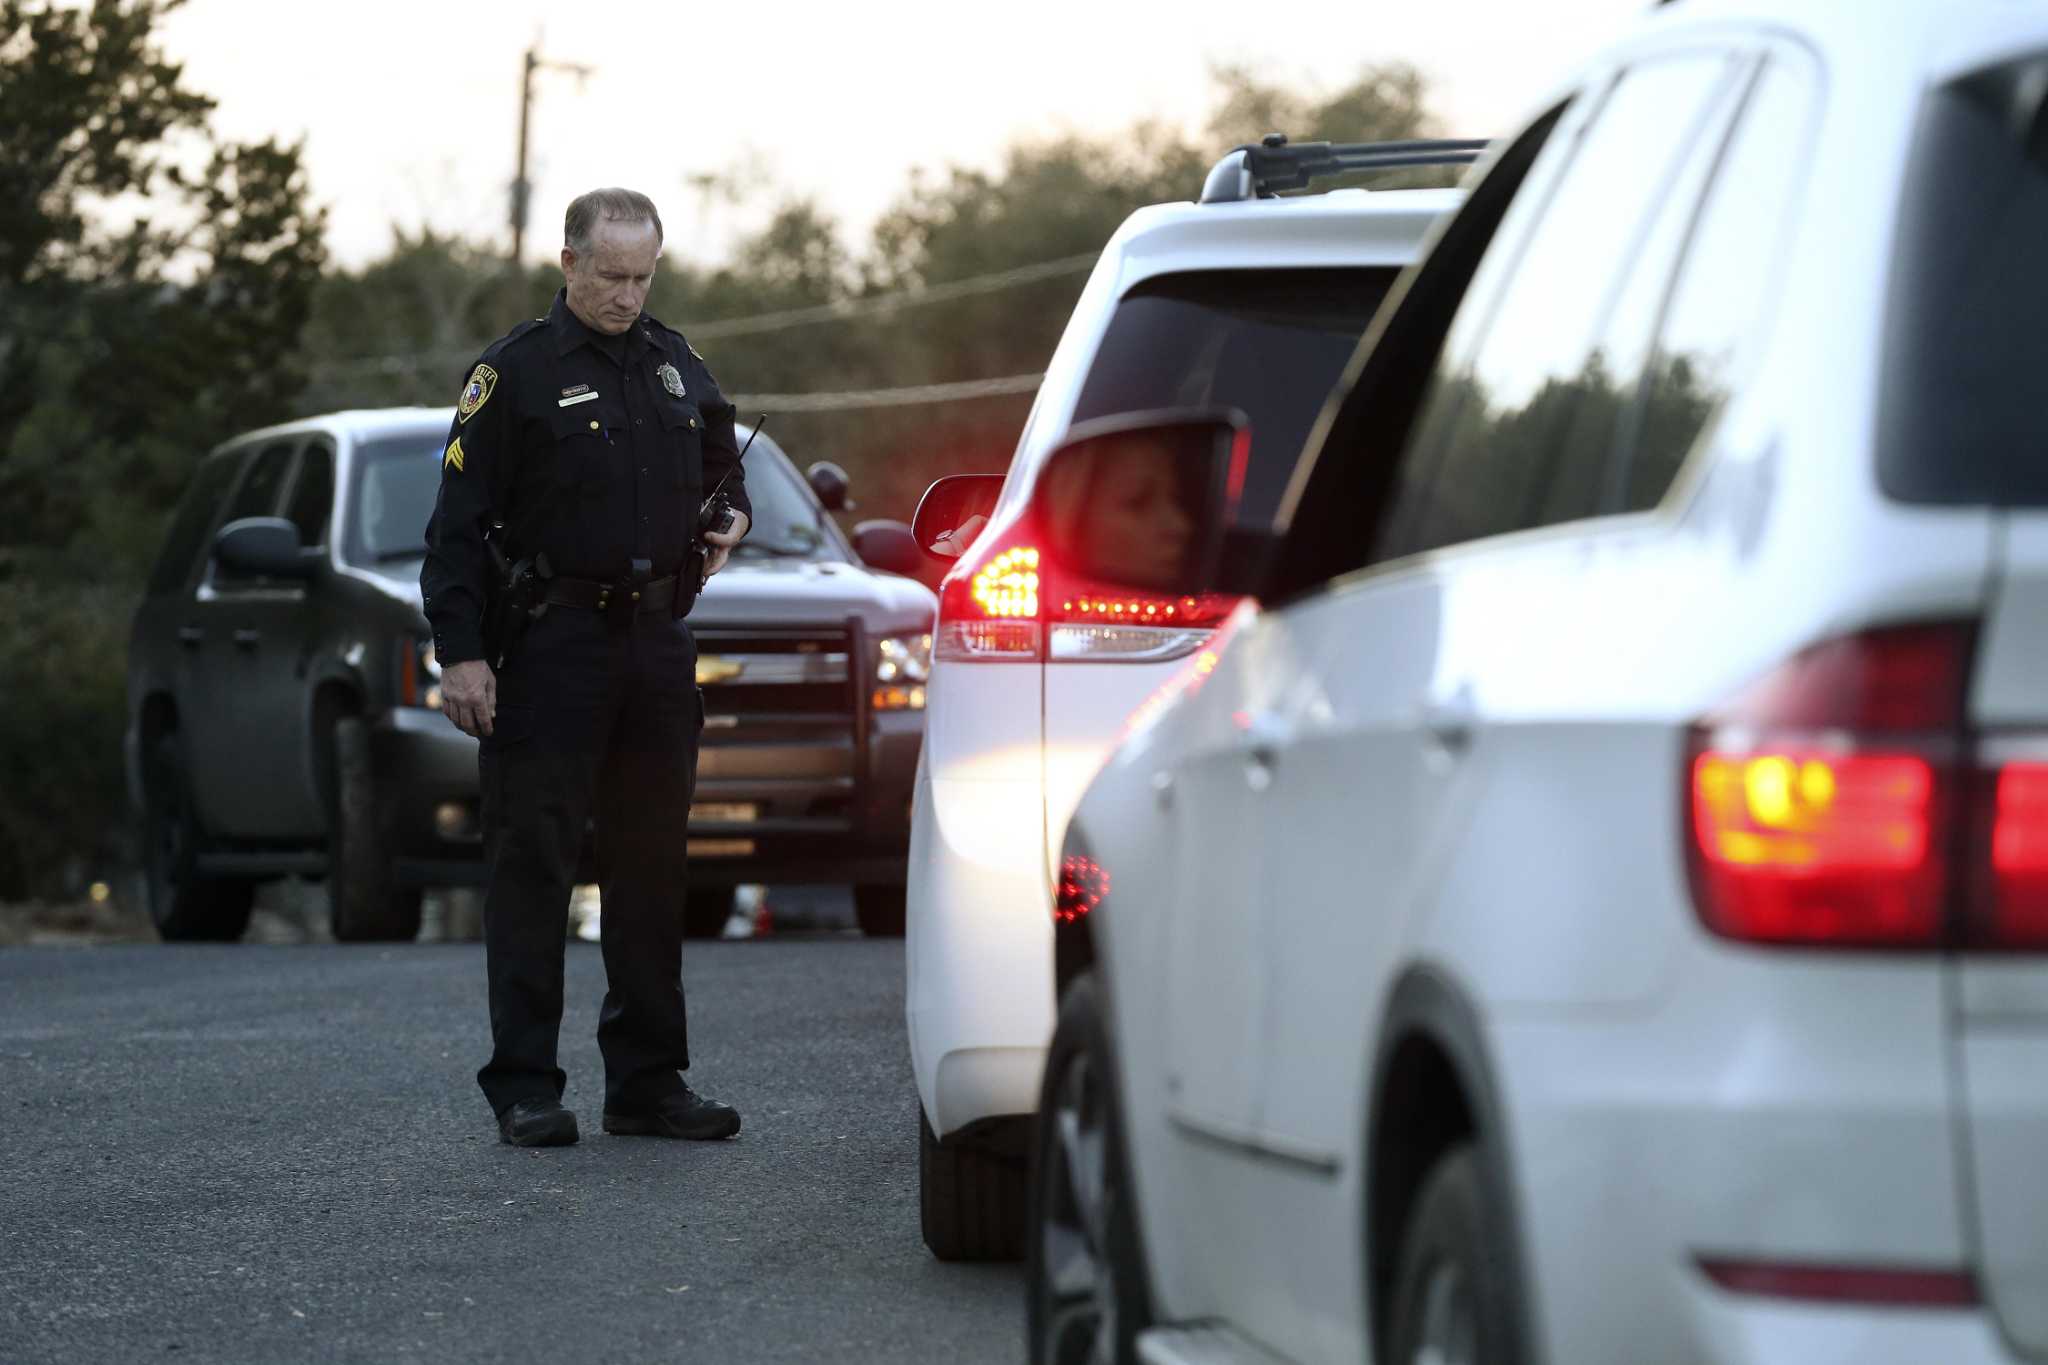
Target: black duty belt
[(655, 595)]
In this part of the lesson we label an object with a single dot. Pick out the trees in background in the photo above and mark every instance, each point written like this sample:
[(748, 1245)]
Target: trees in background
[(154, 283), (131, 342)]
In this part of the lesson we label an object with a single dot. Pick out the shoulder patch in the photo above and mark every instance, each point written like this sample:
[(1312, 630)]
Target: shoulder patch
[(476, 393), (452, 458), (695, 353)]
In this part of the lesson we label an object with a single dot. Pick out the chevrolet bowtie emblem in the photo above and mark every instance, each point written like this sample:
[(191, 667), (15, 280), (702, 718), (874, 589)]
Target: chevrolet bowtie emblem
[(712, 669)]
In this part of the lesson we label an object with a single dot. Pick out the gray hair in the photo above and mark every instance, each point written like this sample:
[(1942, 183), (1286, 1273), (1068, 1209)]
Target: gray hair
[(611, 205)]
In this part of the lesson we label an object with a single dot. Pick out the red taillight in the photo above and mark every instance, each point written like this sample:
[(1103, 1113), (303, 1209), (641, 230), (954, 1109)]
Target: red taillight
[(1006, 601), (2010, 909), (1823, 801), (1083, 884)]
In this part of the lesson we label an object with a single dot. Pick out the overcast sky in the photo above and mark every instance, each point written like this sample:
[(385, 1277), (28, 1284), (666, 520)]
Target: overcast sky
[(410, 111)]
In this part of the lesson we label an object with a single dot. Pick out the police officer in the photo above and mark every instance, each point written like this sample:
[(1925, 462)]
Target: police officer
[(584, 444)]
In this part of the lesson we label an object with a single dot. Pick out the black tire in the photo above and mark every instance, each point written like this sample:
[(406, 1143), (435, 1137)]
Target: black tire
[(879, 910), (971, 1198), (185, 907), (1086, 1293), (366, 904), (706, 910), (1454, 1292)]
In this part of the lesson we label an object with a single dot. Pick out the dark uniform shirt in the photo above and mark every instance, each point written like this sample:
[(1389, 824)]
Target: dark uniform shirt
[(594, 450)]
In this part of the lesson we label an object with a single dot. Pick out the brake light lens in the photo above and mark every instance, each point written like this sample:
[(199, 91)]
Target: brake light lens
[(1822, 802), (1007, 586), (2011, 909), (1005, 601), (1083, 884)]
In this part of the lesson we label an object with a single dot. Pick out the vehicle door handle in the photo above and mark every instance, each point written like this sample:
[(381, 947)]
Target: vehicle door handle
[(246, 638), (190, 636)]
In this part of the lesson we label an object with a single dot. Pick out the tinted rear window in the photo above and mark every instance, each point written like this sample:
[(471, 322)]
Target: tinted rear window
[(1268, 342), (1962, 419)]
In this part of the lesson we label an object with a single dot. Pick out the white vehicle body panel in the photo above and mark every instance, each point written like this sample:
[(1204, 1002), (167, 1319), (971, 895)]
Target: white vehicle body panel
[(1010, 746), (1472, 764)]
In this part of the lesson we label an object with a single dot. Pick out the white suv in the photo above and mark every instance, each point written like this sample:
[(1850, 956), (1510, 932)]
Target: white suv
[(1244, 299), (1596, 909)]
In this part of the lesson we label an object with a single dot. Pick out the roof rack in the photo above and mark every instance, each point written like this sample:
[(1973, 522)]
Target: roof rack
[(1276, 164)]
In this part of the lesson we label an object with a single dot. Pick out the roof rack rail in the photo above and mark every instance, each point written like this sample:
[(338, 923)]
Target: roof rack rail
[(1261, 171)]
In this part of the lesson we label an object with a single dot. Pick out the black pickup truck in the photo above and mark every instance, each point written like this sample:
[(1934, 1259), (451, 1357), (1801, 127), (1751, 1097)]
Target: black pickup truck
[(283, 699)]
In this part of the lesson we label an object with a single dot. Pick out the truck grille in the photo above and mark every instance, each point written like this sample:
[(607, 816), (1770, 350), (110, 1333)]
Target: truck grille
[(781, 729)]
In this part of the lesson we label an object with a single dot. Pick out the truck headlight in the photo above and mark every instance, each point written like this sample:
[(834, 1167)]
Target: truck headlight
[(903, 664)]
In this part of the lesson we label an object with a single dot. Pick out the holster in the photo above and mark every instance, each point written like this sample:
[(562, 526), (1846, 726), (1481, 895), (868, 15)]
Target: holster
[(516, 598), (689, 580)]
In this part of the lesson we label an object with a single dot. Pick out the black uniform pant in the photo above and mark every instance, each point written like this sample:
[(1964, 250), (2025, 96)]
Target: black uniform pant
[(597, 720)]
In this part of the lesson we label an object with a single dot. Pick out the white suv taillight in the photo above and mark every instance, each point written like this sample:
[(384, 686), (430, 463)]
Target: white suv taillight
[(1824, 801), (2010, 906), (1007, 602)]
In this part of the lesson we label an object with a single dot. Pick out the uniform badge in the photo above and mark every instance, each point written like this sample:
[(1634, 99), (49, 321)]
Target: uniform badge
[(453, 458), (476, 393), (670, 380)]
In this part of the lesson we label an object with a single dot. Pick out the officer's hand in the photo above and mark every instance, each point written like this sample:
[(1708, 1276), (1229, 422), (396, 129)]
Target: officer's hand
[(469, 696), (721, 542)]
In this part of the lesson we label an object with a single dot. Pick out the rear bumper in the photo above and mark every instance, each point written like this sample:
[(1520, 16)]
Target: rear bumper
[(1775, 1109), (979, 955)]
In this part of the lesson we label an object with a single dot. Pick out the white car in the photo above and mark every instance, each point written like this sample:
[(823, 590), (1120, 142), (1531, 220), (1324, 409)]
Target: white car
[(1594, 910), (1241, 298)]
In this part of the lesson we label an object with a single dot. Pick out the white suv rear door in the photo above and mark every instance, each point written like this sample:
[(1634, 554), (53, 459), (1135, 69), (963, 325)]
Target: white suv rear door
[(1962, 426)]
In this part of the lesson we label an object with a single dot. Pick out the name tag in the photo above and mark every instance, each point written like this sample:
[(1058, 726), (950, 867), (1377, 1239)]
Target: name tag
[(579, 398)]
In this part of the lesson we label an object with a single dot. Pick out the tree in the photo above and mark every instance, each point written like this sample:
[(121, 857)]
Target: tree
[(129, 343), (134, 344)]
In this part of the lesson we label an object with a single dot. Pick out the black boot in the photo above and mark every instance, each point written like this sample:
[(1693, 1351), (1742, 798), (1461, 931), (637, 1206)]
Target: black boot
[(537, 1123), (685, 1114)]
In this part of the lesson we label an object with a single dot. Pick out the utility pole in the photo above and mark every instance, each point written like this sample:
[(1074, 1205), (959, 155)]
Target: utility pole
[(521, 187)]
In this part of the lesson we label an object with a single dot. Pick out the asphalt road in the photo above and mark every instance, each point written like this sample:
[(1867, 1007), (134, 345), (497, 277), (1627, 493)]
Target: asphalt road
[(262, 1153)]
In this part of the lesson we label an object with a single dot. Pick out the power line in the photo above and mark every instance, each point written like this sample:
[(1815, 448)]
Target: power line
[(909, 396), (893, 302), (757, 323)]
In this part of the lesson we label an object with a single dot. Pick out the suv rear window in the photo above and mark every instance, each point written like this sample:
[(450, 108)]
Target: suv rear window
[(1961, 420), (1271, 343)]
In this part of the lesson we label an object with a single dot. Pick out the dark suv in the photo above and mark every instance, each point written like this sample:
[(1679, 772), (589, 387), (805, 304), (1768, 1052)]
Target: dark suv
[(284, 702)]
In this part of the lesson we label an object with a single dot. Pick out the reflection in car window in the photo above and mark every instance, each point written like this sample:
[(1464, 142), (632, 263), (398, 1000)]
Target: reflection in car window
[(195, 514), (397, 478), (313, 495), (1490, 444), (1270, 343), (1723, 286), (785, 522), (257, 497)]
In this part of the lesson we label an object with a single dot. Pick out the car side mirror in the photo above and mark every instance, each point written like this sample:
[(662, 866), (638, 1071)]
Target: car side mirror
[(888, 546), (266, 547), (952, 513), (829, 482), (1145, 500)]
